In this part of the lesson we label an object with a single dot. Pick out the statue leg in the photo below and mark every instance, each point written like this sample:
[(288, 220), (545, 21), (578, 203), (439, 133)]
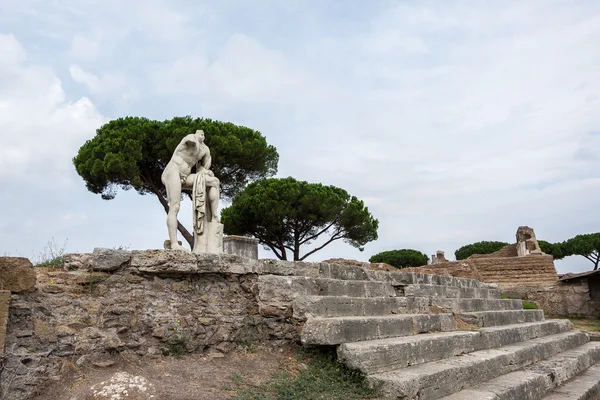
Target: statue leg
[(212, 189), (172, 183)]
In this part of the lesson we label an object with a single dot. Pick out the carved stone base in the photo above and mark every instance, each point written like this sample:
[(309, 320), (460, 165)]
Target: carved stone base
[(211, 241), (241, 246)]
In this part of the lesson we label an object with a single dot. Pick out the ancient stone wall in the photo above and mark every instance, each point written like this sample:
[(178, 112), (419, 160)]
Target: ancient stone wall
[(561, 299), (137, 304), (527, 270)]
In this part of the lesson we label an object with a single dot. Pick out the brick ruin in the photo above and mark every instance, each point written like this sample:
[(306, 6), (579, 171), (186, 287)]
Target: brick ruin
[(523, 271)]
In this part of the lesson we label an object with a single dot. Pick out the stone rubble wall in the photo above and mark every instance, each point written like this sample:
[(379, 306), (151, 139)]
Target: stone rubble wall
[(149, 303), (561, 299), (527, 270), (137, 304)]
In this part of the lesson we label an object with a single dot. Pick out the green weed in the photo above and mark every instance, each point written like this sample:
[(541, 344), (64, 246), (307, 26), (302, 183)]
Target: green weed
[(323, 377), (529, 305), (177, 345), (51, 256)]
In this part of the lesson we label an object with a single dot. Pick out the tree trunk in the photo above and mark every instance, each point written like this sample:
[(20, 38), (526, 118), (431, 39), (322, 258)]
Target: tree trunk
[(296, 243), (597, 261)]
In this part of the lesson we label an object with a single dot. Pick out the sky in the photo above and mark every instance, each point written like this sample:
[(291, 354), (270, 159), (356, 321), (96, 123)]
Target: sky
[(455, 121)]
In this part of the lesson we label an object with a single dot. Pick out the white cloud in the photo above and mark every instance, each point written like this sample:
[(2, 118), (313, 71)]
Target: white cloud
[(86, 47), (40, 129), (455, 122)]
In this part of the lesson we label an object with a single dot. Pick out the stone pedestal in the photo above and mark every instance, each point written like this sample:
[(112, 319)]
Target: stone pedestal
[(241, 246), (211, 241)]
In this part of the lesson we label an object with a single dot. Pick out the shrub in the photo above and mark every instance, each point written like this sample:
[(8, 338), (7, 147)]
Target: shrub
[(404, 258), (324, 377), (529, 305), (478, 248), (51, 256)]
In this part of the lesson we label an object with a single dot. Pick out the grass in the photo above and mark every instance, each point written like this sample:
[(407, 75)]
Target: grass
[(529, 305), (320, 376), (177, 345), (51, 256), (586, 324)]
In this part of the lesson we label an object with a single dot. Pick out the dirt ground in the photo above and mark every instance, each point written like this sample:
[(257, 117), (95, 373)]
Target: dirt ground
[(190, 377), (589, 325)]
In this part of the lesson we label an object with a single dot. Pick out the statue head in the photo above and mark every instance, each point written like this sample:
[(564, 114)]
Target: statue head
[(200, 135)]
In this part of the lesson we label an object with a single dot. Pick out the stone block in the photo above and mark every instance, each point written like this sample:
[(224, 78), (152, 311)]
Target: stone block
[(109, 259), (333, 331), (211, 241), (16, 274), (164, 261), (75, 261), (4, 304), (402, 352), (434, 380), (241, 246), (344, 306), (572, 371)]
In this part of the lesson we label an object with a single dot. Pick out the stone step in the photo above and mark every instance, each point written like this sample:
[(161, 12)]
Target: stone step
[(383, 355), (585, 386), (338, 306), (436, 379), (412, 278), (537, 380), (471, 305), (337, 330), (288, 287), (427, 290), (474, 320), (352, 272)]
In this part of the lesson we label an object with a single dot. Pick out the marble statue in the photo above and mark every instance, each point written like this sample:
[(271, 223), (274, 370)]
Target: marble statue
[(208, 231)]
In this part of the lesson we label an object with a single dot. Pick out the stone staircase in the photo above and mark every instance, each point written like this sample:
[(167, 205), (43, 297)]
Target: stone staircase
[(426, 337)]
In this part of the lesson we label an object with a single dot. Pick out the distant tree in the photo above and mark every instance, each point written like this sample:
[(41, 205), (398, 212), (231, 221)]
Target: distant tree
[(587, 245), (132, 152), (285, 214), (556, 250), (404, 258), (478, 248)]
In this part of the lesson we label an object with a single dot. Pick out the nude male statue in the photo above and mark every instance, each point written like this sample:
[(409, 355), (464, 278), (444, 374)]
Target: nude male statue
[(190, 152)]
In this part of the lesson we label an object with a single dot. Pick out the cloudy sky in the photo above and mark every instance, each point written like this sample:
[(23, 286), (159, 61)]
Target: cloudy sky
[(455, 121)]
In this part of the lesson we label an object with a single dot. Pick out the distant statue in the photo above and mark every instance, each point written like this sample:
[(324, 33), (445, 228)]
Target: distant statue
[(208, 232)]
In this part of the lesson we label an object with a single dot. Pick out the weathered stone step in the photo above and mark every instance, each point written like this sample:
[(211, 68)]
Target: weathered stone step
[(337, 330), (426, 290), (271, 286), (534, 382), (585, 386), (483, 319), (470, 305), (383, 355), (412, 278), (338, 306), (351, 272), (436, 379)]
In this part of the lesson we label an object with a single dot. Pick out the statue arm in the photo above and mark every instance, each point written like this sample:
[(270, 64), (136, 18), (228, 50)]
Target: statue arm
[(206, 161)]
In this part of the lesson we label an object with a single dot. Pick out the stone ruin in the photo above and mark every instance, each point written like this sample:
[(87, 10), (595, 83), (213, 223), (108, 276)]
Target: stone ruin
[(438, 257), (521, 263), (414, 335), (526, 242)]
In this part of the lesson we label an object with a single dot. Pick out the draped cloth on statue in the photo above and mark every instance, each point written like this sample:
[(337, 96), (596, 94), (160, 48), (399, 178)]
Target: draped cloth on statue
[(199, 200), (208, 235)]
